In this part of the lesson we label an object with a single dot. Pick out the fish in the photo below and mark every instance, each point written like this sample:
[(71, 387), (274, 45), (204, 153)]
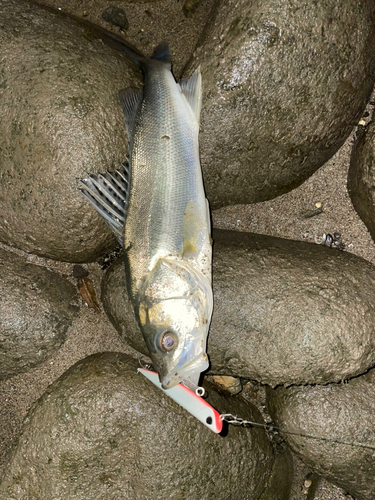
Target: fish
[(156, 206)]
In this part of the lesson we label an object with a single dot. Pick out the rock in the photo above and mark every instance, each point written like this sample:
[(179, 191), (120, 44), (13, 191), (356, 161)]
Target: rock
[(37, 307), (79, 272), (338, 412), (361, 180), (285, 312), (230, 384), (116, 16), (325, 490), (290, 312), (103, 431), (283, 86), (59, 121)]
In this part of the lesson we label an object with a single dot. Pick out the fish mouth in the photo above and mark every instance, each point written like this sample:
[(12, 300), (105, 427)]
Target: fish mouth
[(191, 371)]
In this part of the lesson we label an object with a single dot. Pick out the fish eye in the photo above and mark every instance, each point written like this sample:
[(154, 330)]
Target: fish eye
[(167, 341)]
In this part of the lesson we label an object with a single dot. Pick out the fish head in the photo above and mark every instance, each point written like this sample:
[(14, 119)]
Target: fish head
[(175, 308)]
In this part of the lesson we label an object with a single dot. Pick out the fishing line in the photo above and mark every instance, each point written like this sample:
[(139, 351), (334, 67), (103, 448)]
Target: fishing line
[(231, 419)]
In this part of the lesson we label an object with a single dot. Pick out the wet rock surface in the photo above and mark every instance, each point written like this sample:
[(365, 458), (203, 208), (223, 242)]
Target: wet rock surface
[(104, 431), (37, 307), (341, 412), (283, 85), (116, 16), (289, 312), (361, 177), (59, 120), (285, 312), (179, 23)]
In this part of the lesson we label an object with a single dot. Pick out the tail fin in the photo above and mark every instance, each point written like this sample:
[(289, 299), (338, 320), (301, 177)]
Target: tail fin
[(161, 53)]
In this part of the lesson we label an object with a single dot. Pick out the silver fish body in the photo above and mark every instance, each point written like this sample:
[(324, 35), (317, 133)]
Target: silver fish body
[(167, 231)]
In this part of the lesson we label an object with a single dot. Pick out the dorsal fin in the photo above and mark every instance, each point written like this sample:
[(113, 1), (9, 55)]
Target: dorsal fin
[(130, 99), (109, 195), (191, 88), (161, 53)]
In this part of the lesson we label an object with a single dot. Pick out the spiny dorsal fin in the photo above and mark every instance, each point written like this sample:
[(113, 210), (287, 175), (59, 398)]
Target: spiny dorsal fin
[(130, 99), (191, 88), (109, 195), (161, 53)]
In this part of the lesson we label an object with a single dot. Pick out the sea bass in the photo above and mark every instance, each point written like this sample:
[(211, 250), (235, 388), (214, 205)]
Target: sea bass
[(157, 208)]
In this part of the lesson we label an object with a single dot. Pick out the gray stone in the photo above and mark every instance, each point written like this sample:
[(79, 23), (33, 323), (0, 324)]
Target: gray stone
[(361, 178), (284, 83), (343, 413), (103, 431), (37, 307), (60, 118), (116, 16), (285, 312)]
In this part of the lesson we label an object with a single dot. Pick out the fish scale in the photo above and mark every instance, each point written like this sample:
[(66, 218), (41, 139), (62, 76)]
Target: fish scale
[(166, 174)]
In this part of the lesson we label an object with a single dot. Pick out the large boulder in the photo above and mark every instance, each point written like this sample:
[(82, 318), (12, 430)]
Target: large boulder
[(37, 306), (361, 177), (104, 431), (284, 83), (340, 417), (60, 118), (285, 312)]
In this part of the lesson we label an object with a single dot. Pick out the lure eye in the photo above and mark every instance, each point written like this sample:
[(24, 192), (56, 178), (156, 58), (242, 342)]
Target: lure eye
[(167, 341)]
